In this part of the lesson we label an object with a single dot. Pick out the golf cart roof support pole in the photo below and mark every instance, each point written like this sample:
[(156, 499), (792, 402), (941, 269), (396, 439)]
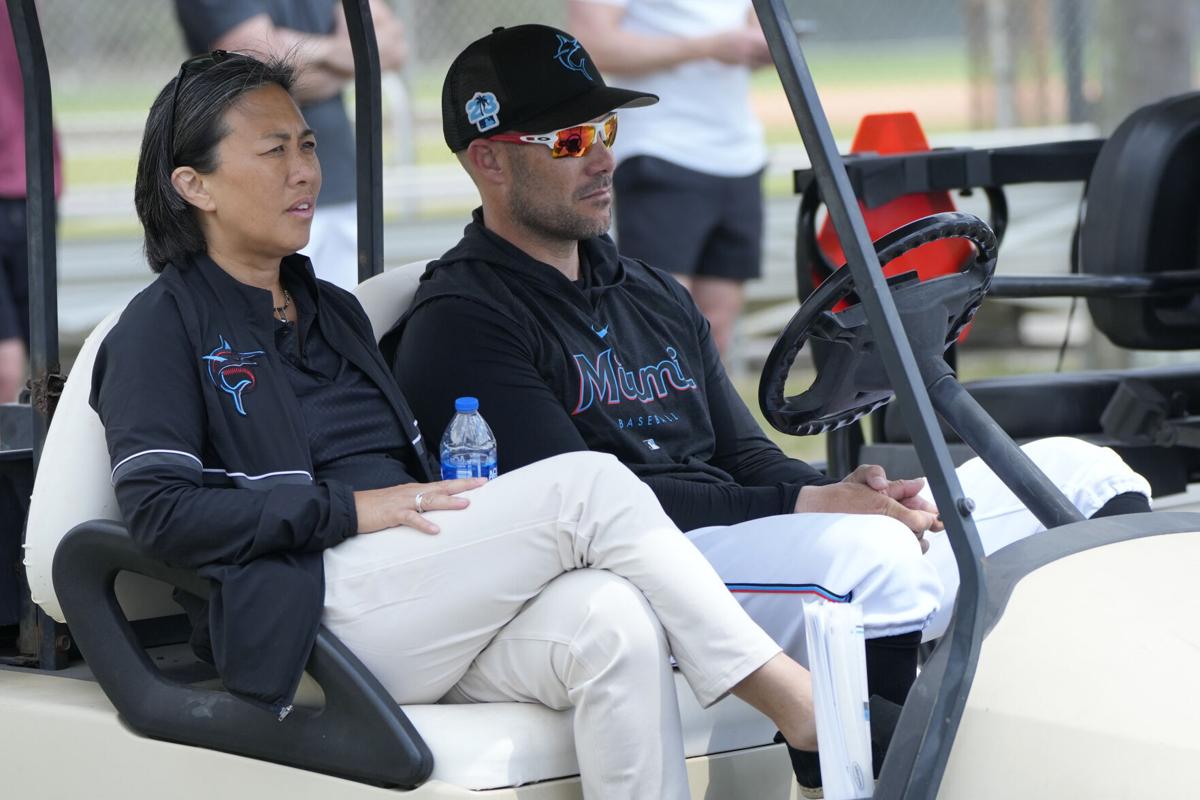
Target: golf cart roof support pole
[(913, 773), (368, 125), (40, 214)]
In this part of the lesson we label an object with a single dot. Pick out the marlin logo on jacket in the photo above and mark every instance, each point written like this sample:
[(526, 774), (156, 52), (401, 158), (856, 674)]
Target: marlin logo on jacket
[(606, 380), (232, 372)]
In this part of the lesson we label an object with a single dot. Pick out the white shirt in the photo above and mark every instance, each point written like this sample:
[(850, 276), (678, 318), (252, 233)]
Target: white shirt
[(703, 120)]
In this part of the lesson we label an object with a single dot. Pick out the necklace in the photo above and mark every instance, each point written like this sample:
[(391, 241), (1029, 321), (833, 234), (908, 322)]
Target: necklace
[(281, 311)]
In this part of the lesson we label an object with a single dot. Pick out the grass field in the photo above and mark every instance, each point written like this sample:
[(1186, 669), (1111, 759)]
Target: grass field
[(100, 117), (914, 61)]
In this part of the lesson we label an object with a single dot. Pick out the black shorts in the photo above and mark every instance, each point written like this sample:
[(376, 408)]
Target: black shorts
[(689, 222)]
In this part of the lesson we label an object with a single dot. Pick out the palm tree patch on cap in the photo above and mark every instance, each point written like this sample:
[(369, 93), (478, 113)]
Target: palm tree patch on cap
[(483, 111)]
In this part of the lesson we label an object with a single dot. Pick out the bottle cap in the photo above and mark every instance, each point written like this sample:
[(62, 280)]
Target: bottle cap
[(465, 405)]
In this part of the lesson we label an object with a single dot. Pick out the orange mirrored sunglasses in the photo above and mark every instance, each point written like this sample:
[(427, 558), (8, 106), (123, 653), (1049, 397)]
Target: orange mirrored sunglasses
[(571, 142)]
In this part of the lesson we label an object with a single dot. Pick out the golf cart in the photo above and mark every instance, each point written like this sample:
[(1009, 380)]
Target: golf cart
[(1032, 708)]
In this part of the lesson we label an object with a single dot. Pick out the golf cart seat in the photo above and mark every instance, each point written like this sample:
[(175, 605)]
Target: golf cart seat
[(83, 569)]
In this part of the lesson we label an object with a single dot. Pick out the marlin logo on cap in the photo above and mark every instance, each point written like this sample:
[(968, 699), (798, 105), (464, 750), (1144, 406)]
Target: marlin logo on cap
[(482, 111), (568, 47)]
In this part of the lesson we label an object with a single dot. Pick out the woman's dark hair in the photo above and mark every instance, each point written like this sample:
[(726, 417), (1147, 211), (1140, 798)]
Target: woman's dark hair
[(208, 88)]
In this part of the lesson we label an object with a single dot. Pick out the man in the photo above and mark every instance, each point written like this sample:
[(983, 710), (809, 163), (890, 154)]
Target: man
[(571, 347), (689, 181), (312, 34)]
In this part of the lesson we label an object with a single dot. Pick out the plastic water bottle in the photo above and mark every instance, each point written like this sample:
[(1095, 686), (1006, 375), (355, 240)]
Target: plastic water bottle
[(468, 446)]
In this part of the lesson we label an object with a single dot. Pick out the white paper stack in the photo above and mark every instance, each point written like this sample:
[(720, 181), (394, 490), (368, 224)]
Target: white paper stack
[(838, 661)]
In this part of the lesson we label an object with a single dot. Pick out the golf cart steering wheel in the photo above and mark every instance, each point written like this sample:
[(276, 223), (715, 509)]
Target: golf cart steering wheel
[(851, 379)]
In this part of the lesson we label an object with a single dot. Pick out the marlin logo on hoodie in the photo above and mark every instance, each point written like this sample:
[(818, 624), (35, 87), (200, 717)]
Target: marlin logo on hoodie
[(232, 372), (606, 380)]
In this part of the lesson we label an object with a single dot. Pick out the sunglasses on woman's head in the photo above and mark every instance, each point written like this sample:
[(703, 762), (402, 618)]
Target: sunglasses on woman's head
[(571, 142), (194, 64)]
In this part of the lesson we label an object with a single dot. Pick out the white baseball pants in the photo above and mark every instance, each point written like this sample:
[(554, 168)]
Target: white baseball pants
[(563, 583), (772, 565)]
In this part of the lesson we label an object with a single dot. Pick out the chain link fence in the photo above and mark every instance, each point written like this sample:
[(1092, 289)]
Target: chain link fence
[(1003, 62), (114, 40), (961, 65)]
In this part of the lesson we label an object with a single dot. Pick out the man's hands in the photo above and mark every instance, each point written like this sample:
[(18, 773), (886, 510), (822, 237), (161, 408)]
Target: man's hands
[(903, 491), (867, 490), (324, 63), (740, 47), (389, 37), (618, 50), (397, 505)]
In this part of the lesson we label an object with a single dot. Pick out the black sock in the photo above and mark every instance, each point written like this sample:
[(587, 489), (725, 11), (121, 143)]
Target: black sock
[(1124, 503), (892, 665), (885, 715), (891, 670)]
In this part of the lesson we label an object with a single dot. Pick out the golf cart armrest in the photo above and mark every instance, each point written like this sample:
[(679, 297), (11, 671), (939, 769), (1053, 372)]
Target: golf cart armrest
[(360, 733)]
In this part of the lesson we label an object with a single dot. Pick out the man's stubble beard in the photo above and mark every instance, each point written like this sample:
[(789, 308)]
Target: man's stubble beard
[(550, 220)]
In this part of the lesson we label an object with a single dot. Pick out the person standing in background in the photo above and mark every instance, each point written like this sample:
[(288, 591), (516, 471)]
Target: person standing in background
[(14, 253), (311, 34), (689, 179)]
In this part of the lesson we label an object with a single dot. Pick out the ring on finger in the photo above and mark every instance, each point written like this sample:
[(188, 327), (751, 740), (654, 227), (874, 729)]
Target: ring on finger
[(418, 504)]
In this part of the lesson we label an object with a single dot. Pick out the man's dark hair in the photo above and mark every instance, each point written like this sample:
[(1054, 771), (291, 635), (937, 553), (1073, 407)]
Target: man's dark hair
[(208, 90)]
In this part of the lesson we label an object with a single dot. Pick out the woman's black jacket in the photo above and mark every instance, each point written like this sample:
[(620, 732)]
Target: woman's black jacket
[(211, 466)]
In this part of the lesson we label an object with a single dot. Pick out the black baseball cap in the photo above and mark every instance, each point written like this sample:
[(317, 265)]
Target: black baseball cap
[(530, 78)]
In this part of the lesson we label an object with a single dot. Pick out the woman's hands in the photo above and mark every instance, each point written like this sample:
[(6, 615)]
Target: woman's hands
[(397, 505), (867, 490)]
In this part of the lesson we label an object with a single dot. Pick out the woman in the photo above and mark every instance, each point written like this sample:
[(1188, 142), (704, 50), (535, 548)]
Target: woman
[(256, 435)]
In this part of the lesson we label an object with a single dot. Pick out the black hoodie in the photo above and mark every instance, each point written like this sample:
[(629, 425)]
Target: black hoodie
[(621, 362)]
